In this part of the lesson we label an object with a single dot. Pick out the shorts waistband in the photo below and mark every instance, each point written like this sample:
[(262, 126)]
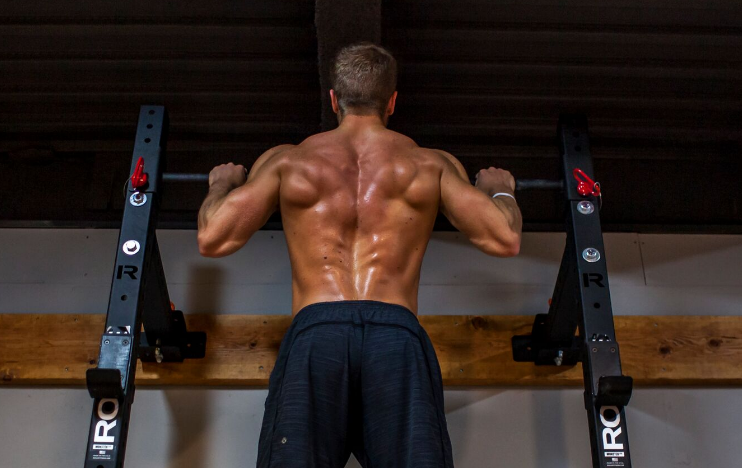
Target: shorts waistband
[(356, 311)]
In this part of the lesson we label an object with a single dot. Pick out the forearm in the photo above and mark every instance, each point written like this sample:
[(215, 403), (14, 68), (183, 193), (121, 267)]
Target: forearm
[(492, 225), (504, 222), (217, 194), (506, 205), (511, 211)]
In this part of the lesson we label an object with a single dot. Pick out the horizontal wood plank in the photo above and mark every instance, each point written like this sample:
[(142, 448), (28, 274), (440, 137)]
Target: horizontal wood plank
[(672, 16), (170, 76), (142, 11), (56, 349), (195, 76), (595, 47), (555, 11), (104, 42), (80, 133), (286, 105)]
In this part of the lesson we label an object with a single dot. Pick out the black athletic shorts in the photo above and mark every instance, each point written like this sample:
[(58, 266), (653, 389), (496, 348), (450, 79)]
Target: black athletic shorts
[(355, 377)]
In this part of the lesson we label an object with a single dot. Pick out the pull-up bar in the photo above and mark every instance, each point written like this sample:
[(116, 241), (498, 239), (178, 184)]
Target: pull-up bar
[(520, 184), (184, 177)]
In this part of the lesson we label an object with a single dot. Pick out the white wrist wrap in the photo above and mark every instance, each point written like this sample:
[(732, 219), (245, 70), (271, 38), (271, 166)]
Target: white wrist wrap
[(503, 194)]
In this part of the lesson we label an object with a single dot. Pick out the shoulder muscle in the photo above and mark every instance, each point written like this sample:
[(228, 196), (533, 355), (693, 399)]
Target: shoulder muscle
[(449, 163), (268, 159)]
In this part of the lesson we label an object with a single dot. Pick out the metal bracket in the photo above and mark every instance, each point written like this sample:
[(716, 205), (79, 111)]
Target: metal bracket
[(537, 348), (174, 347)]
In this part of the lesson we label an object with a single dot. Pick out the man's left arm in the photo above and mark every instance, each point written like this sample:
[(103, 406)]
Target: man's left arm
[(238, 205)]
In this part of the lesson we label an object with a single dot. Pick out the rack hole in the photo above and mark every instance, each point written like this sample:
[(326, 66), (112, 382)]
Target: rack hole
[(124, 297), (151, 112), (609, 414), (597, 305), (149, 125), (147, 140), (108, 407)]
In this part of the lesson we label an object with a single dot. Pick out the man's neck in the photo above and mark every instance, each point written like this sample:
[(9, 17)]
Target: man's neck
[(356, 123)]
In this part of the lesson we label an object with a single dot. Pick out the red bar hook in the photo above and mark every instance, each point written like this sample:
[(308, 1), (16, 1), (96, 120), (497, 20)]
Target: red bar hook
[(139, 178), (585, 185)]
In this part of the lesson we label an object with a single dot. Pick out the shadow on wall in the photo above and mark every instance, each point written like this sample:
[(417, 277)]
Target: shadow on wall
[(678, 419), (691, 260), (550, 445), (457, 398), (190, 412), (200, 299)]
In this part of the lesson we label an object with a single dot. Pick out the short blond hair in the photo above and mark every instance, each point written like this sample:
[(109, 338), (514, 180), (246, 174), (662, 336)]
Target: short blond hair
[(364, 78)]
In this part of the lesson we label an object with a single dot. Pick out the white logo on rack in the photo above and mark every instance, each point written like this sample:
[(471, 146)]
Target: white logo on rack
[(611, 430), (104, 426)]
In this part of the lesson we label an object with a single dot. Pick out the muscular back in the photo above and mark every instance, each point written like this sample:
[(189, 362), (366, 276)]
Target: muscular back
[(358, 210), (358, 206)]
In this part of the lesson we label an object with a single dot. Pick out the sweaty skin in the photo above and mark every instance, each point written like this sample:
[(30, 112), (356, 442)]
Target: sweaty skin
[(358, 206)]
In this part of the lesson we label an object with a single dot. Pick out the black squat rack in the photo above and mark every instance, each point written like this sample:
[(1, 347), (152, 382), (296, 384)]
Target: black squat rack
[(141, 322)]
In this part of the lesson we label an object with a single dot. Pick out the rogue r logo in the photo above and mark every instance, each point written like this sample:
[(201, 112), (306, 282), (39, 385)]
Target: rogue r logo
[(596, 278), (129, 270)]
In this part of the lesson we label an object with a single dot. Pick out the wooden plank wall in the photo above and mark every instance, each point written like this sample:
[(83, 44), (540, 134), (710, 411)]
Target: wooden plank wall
[(660, 81), (56, 349)]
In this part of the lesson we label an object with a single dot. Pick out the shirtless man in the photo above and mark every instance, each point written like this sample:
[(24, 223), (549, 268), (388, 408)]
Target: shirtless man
[(358, 205)]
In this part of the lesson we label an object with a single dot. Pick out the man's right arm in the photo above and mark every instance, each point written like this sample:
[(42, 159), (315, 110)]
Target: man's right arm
[(493, 225)]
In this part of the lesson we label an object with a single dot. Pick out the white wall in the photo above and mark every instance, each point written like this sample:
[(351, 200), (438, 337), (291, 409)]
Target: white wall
[(69, 271)]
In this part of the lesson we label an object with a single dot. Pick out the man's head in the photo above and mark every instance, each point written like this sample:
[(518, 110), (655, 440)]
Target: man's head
[(364, 81)]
